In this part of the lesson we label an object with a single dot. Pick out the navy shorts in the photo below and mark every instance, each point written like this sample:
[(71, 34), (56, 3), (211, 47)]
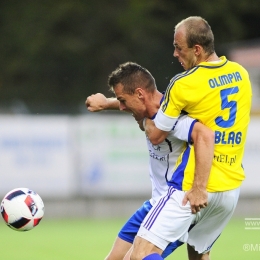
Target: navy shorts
[(131, 227)]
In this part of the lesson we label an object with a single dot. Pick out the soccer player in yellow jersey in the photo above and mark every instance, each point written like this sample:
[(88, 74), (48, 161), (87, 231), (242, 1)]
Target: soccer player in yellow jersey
[(217, 92)]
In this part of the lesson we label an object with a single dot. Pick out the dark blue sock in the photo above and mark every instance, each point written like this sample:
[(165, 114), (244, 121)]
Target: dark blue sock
[(153, 256)]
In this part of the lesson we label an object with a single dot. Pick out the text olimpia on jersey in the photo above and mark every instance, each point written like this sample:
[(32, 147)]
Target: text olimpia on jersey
[(218, 94)]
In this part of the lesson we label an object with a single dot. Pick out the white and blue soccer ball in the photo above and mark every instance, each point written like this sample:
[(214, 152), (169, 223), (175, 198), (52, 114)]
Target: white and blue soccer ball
[(22, 209)]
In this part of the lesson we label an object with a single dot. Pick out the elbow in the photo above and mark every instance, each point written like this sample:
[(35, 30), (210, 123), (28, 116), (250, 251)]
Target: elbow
[(203, 133), (155, 135), (209, 140), (209, 137), (155, 141), (206, 136)]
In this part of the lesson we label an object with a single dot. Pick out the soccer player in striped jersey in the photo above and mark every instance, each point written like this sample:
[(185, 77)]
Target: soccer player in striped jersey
[(218, 93), (136, 93)]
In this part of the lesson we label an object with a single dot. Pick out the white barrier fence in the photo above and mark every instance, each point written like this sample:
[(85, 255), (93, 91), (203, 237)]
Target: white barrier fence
[(90, 155)]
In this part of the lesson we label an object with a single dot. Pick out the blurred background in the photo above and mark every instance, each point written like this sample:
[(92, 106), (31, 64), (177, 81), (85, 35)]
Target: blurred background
[(56, 53)]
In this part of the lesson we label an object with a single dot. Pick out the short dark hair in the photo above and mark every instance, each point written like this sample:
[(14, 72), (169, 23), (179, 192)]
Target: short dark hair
[(131, 75), (198, 31)]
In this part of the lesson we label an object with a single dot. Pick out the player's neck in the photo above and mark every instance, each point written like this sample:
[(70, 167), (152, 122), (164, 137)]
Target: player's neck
[(211, 57), (153, 103)]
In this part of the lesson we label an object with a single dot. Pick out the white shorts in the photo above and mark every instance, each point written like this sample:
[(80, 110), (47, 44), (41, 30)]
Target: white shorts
[(169, 221)]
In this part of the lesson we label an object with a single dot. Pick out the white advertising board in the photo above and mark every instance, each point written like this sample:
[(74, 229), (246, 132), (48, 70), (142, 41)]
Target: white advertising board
[(92, 155), (34, 153), (251, 162), (113, 156)]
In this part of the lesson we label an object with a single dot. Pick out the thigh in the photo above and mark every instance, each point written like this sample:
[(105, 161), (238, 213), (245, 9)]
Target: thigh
[(213, 220), (167, 221), (131, 227)]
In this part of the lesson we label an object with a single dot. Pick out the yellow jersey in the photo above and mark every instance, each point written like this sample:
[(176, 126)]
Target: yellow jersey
[(218, 94)]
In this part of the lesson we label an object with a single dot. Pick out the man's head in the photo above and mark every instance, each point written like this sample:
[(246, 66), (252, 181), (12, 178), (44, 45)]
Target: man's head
[(193, 41), (132, 85)]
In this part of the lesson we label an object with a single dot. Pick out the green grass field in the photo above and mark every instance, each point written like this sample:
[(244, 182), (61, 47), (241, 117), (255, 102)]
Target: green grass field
[(91, 240)]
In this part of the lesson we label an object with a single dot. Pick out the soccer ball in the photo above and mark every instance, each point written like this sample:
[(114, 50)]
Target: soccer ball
[(22, 209)]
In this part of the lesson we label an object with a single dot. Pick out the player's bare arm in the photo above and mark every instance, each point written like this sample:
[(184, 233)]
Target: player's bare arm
[(154, 134), (203, 139), (98, 102)]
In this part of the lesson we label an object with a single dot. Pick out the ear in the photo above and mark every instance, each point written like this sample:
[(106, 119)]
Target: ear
[(197, 49), (140, 93)]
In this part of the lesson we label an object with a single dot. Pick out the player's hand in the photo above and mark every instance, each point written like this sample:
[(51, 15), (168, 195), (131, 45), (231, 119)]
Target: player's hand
[(96, 102), (198, 199)]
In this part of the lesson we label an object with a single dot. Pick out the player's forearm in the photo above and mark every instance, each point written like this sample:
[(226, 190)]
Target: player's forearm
[(204, 151), (154, 134), (98, 102), (112, 104)]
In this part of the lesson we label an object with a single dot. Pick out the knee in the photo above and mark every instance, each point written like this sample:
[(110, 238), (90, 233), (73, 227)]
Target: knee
[(143, 248), (136, 255), (194, 255), (204, 257)]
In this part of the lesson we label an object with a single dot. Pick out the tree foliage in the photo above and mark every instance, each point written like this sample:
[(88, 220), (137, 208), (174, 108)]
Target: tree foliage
[(56, 53)]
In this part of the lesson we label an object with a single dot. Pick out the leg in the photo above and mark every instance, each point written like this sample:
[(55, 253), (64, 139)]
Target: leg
[(168, 220), (119, 249), (168, 250), (194, 255), (143, 248), (128, 232), (128, 254)]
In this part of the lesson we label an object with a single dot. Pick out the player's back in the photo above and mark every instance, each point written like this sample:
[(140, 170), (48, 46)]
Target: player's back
[(219, 96)]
